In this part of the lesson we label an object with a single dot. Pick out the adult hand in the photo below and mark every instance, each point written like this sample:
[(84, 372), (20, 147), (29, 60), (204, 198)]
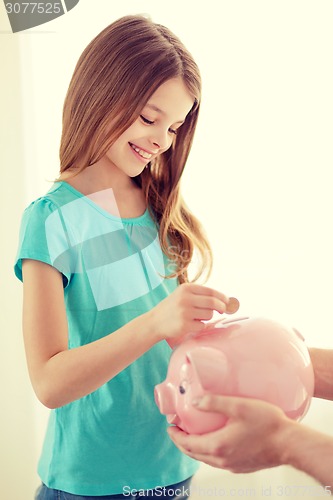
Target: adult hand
[(254, 437)]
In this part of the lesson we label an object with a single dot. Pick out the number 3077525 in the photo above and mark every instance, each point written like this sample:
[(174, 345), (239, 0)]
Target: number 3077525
[(33, 8)]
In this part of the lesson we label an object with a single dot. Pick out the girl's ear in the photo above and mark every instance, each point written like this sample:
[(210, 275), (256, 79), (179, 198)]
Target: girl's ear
[(210, 366)]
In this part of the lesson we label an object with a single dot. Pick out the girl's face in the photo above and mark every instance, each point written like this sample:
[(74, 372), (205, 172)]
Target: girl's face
[(154, 130)]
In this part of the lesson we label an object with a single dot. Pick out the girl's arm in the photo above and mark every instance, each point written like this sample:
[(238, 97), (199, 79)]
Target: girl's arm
[(60, 375), (322, 361)]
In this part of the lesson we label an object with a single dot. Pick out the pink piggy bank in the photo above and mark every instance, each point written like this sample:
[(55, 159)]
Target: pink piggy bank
[(251, 357)]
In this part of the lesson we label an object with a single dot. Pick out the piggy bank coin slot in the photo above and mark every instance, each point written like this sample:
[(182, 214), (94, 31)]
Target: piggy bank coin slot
[(223, 322)]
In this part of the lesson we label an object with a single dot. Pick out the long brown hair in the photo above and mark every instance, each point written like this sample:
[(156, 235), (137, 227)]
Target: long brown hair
[(114, 78)]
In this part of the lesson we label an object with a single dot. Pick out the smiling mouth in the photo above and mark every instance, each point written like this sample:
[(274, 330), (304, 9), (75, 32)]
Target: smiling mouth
[(141, 152)]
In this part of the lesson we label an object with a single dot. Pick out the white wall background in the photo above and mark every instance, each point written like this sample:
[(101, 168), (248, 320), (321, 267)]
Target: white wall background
[(258, 177)]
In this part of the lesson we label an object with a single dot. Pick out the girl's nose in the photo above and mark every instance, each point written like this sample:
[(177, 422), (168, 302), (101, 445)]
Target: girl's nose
[(161, 140)]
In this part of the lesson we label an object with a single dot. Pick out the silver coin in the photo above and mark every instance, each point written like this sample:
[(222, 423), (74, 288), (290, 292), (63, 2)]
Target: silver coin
[(232, 306)]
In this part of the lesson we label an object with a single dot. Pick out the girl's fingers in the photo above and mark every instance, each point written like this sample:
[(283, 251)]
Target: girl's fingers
[(203, 314), (209, 302), (210, 292)]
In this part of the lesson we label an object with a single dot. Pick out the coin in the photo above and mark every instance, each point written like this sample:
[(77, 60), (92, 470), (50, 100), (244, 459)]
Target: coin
[(232, 306)]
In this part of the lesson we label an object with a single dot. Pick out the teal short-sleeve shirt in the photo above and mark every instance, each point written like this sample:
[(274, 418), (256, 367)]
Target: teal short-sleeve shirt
[(113, 271)]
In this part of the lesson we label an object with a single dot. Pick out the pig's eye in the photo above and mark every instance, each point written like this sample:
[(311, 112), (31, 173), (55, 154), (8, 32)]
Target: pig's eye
[(182, 389)]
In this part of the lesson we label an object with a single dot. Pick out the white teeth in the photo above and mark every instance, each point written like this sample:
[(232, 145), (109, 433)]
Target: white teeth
[(142, 153)]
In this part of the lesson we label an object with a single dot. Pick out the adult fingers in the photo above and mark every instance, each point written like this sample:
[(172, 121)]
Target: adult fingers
[(191, 443), (237, 408), (202, 448), (228, 405)]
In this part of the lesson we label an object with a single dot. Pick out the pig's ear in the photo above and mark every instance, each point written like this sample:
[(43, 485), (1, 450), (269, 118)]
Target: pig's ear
[(211, 367)]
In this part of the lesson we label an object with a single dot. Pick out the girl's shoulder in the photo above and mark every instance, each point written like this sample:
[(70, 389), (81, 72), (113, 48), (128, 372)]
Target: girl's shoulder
[(44, 234), (44, 214), (55, 198)]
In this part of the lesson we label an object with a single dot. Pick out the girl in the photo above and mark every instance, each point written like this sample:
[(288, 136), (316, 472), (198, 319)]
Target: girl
[(104, 260)]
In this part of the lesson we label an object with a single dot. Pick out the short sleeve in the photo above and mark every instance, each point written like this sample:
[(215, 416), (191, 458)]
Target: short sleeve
[(44, 237)]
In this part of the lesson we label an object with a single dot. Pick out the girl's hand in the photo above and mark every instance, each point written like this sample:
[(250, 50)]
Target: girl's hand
[(185, 310)]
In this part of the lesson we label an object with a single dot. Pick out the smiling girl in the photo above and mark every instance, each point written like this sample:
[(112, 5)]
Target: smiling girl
[(95, 256)]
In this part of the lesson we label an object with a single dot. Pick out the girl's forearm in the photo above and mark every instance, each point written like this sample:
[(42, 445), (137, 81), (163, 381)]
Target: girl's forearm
[(60, 375), (74, 373)]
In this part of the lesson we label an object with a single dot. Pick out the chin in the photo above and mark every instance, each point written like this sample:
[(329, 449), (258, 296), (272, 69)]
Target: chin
[(136, 173)]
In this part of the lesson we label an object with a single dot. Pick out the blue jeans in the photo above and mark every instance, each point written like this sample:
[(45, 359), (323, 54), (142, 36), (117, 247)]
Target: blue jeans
[(177, 491)]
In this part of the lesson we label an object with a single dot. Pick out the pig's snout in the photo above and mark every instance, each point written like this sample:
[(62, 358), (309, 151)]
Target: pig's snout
[(165, 398)]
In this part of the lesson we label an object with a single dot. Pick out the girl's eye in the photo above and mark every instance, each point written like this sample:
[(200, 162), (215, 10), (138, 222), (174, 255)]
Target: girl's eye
[(145, 120), (150, 122)]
